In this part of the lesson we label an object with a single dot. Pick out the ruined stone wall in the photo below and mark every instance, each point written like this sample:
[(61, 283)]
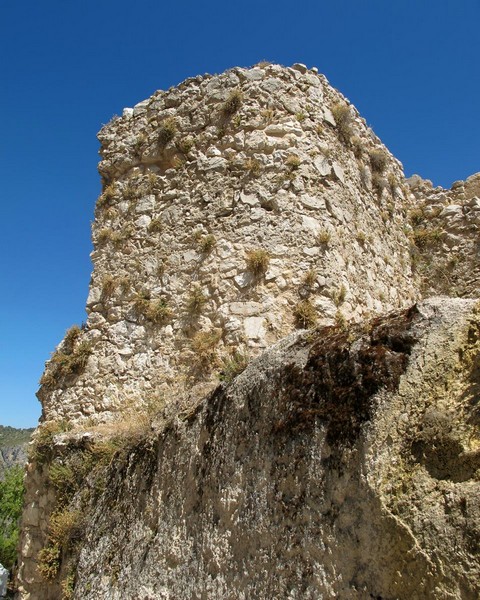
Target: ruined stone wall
[(235, 208), (446, 227)]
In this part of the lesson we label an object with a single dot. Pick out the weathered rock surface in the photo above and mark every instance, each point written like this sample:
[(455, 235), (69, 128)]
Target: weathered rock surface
[(340, 464), (195, 179), (344, 461)]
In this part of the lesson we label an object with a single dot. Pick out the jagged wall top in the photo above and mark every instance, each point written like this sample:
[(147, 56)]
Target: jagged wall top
[(235, 208)]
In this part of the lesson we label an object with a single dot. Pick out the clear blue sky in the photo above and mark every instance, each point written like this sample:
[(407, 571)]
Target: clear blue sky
[(412, 68)]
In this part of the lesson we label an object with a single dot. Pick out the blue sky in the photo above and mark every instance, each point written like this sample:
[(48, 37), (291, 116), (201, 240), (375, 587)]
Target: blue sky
[(410, 66)]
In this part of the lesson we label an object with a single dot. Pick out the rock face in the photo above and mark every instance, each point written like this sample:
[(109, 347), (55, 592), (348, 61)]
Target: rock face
[(343, 462), (340, 464)]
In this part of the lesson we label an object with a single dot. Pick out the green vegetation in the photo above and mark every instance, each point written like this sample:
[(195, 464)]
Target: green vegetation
[(232, 366), (11, 502), (11, 437)]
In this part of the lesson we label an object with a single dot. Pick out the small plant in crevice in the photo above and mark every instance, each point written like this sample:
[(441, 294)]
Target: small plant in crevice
[(339, 296), (48, 561), (105, 235), (379, 183), (293, 162), (155, 310), (207, 243), (258, 261), (305, 315), (252, 166), (138, 143), (392, 184), (324, 237), (108, 195), (151, 182), (204, 345), (357, 146), (378, 160), (70, 359), (68, 585), (425, 237), (300, 116), (167, 131), (343, 118), (232, 104), (108, 286), (155, 225), (310, 278), (340, 320), (233, 365), (361, 237), (196, 301), (268, 115)]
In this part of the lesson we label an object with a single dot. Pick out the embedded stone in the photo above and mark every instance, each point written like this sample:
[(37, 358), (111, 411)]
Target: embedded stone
[(312, 202)]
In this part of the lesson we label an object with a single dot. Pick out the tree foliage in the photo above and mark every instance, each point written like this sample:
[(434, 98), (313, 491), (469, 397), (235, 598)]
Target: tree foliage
[(11, 502)]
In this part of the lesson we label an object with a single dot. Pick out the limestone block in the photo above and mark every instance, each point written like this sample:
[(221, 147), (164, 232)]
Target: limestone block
[(322, 165), (285, 128), (339, 172), (146, 204), (328, 117), (245, 309), (31, 514), (254, 328), (255, 74), (272, 85), (311, 224), (244, 279), (300, 67), (216, 163), (312, 202), (143, 222)]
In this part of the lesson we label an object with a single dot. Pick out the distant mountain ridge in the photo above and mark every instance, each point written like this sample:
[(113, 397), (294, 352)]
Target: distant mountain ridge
[(13, 446)]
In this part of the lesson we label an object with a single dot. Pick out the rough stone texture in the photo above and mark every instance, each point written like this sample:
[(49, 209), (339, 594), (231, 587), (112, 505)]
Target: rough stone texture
[(340, 464), (446, 226), (344, 461), (275, 175)]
